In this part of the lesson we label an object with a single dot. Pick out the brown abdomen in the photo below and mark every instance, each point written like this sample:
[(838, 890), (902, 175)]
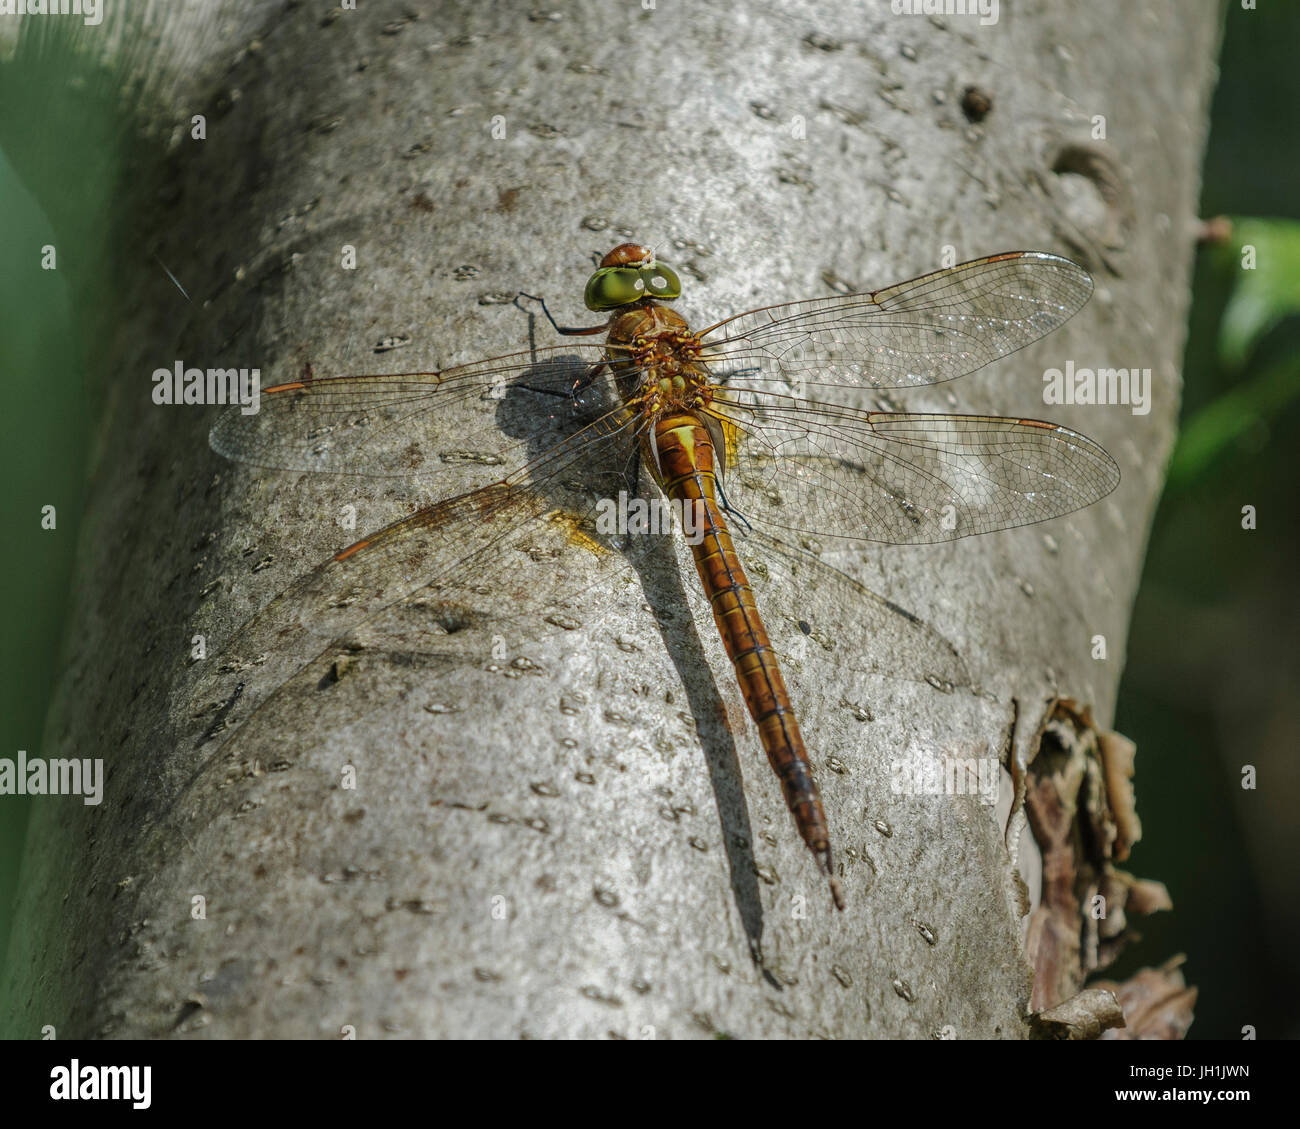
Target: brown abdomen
[(687, 464)]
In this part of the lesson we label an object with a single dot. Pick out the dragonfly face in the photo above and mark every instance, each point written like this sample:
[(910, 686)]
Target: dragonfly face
[(773, 394)]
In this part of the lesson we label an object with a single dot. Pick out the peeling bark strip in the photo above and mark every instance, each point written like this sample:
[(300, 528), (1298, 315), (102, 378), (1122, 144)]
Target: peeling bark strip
[(565, 845), (1080, 805), (1156, 1002), (1085, 1016)]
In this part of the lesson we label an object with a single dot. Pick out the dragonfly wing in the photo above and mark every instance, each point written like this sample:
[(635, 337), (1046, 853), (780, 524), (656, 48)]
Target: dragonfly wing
[(905, 478), (495, 552), (931, 329), (470, 581), (412, 425), (812, 604)]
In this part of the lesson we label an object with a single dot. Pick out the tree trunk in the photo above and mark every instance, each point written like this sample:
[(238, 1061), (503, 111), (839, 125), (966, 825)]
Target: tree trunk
[(600, 848)]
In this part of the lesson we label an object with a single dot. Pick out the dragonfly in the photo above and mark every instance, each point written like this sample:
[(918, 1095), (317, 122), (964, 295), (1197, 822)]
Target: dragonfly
[(754, 424)]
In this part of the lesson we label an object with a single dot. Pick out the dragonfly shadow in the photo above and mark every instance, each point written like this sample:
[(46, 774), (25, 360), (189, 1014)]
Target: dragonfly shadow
[(552, 401), (656, 566), (532, 410)]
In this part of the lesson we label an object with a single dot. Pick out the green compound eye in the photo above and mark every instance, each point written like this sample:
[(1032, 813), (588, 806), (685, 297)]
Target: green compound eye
[(660, 282), (611, 287)]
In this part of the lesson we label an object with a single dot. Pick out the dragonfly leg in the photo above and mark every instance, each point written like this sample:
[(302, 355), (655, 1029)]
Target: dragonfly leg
[(585, 381), (738, 373), (567, 330), (634, 473), (580, 383), (730, 510)]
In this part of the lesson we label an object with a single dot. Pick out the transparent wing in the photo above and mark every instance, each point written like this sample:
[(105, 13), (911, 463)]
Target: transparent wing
[(498, 548), (904, 478), (397, 425), (802, 592), (931, 329)]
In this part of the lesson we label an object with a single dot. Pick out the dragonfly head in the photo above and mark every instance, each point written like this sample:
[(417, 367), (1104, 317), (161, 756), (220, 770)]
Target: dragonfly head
[(628, 274)]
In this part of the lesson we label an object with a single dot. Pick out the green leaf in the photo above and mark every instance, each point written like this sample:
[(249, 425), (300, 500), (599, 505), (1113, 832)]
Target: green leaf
[(1230, 417), (1268, 287)]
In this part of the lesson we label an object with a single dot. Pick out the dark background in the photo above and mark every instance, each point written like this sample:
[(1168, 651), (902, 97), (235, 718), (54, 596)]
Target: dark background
[(1210, 682), (1212, 662)]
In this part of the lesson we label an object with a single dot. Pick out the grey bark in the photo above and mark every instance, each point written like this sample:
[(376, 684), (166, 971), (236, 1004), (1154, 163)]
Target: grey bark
[(598, 849)]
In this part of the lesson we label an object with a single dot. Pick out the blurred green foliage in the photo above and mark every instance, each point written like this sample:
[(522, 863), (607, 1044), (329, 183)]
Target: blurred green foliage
[(1212, 667), (1260, 269), (43, 435), (1267, 289), (64, 202)]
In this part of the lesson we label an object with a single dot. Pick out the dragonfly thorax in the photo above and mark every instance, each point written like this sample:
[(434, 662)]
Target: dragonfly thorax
[(656, 359), (648, 324)]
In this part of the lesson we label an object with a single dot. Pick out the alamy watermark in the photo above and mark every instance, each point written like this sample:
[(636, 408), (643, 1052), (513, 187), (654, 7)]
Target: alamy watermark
[(987, 10), (947, 776), (181, 385), (90, 11), (37, 776), (1131, 386), (77, 1082), (623, 515)]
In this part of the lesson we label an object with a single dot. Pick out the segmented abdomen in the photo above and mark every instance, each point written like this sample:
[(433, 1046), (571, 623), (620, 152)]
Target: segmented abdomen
[(686, 462)]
